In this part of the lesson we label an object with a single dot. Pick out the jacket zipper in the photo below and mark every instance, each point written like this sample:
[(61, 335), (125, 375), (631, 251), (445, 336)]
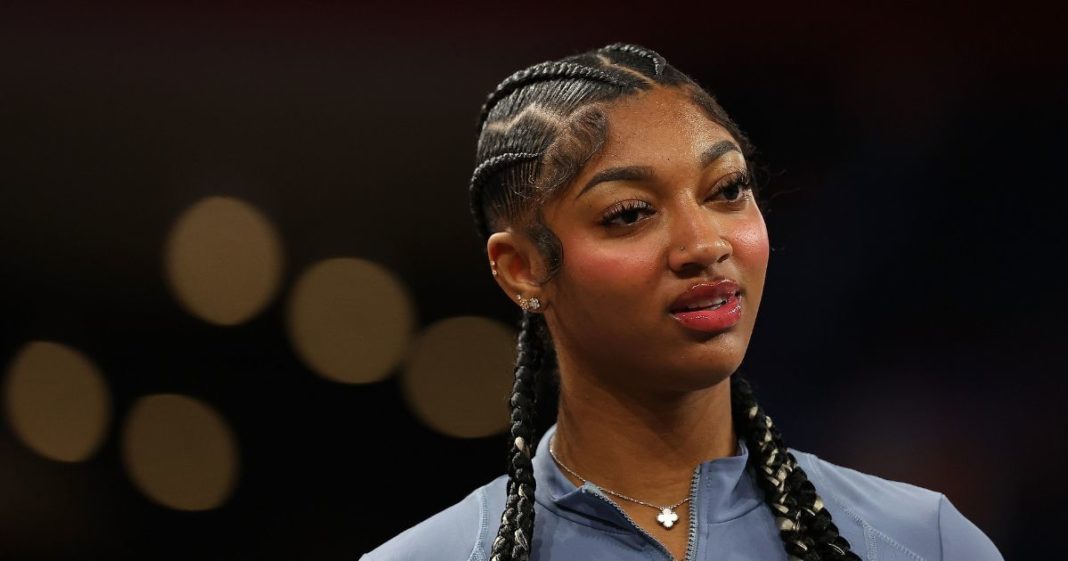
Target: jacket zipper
[(691, 544), (693, 520)]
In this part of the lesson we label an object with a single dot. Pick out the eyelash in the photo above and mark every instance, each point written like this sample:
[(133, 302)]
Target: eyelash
[(741, 180)]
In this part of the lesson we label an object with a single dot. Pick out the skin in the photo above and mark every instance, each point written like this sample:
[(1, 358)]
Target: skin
[(643, 399)]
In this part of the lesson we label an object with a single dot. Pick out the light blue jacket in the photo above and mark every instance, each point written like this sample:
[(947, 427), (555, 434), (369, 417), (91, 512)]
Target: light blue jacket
[(883, 520)]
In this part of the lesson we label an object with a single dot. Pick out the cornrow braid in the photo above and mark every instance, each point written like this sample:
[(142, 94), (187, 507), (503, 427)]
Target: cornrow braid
[(805, 525), (516, 532), (549, 70), (485, 170), (658, 61)]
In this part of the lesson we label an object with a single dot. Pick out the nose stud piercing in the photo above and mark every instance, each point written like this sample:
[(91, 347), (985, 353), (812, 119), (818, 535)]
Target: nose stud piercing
[(529, 304)]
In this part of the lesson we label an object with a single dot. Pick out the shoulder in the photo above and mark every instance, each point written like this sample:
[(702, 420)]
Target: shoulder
[(454, 534), (914, 522)]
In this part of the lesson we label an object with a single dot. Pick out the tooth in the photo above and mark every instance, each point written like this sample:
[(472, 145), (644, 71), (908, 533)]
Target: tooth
[(707, 303)]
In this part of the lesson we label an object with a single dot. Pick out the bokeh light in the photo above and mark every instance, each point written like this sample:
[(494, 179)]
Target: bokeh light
[(458, 376), (180, 452), (350, 320), (56, 401), (223, 260)]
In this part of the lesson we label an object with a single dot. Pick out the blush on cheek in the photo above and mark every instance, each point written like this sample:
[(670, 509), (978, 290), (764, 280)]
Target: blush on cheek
[(606, 265), (750, 241)]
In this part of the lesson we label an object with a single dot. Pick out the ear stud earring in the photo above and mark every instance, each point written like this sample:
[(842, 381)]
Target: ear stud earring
[(529, 304), (493, 267)]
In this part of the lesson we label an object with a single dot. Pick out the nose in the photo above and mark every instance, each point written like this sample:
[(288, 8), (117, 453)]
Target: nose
[(698, 241)]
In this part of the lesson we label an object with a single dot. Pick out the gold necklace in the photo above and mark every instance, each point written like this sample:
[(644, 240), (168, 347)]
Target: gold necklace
[(666, 517)]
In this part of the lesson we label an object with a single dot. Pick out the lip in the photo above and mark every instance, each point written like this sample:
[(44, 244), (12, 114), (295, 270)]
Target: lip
[(709, 320), (722, 288)]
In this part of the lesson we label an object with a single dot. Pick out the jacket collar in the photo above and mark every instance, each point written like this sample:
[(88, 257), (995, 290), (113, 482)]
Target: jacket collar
[(726, 488)]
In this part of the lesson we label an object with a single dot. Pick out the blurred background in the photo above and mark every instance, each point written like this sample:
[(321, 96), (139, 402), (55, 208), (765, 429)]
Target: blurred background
[(246, 315)]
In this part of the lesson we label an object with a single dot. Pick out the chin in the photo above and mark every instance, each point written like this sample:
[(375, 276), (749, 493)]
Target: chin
[(698, 372), (724, 350), (702, 370), (707, 377)]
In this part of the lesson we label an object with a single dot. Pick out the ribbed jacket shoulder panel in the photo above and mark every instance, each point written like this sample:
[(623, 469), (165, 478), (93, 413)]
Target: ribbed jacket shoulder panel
[(454, 534)]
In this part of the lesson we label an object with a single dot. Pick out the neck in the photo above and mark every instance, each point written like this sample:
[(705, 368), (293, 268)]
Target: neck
[(638, 443)]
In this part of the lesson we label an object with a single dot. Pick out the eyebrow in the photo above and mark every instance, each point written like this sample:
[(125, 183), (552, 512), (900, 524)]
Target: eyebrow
[(643, 173)]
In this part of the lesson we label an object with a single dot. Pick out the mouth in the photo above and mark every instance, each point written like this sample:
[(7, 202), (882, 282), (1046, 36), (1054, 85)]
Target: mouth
[(706, 296), (709, 306)]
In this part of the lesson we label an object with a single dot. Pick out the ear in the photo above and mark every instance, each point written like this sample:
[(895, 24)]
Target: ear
[(519, 265)]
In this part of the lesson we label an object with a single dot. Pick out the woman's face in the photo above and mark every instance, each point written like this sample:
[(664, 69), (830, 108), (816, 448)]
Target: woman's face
[(661, 208)]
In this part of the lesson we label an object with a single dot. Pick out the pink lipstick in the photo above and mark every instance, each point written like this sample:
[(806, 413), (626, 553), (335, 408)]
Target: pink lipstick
[(709, 307)]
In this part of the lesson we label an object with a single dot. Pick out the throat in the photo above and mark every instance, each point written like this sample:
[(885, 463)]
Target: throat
[(642, 449)]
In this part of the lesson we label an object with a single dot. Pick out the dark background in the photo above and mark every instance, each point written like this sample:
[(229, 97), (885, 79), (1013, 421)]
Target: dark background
[(912, 319)]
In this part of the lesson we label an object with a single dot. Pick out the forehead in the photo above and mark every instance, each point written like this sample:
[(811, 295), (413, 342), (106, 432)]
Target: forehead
[(657, 126)]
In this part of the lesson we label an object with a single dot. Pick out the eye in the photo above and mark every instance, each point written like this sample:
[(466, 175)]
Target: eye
[(626, 213), (734, 188)]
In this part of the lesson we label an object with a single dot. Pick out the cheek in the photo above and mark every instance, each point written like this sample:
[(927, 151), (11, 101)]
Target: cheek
[(609, 265), (749, 241), (604, 268)]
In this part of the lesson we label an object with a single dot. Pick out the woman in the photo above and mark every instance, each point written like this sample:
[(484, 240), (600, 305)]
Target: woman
[(617, 205)]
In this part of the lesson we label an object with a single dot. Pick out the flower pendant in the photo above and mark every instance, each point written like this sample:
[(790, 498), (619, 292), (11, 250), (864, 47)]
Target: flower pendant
[(667, 518)]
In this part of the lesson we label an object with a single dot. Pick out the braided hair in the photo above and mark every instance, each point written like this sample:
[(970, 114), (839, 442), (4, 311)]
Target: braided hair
[(536, 130)]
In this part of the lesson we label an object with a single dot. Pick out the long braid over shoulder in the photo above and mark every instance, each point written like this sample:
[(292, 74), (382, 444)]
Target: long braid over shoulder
[(536, 130), (804, 524)]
